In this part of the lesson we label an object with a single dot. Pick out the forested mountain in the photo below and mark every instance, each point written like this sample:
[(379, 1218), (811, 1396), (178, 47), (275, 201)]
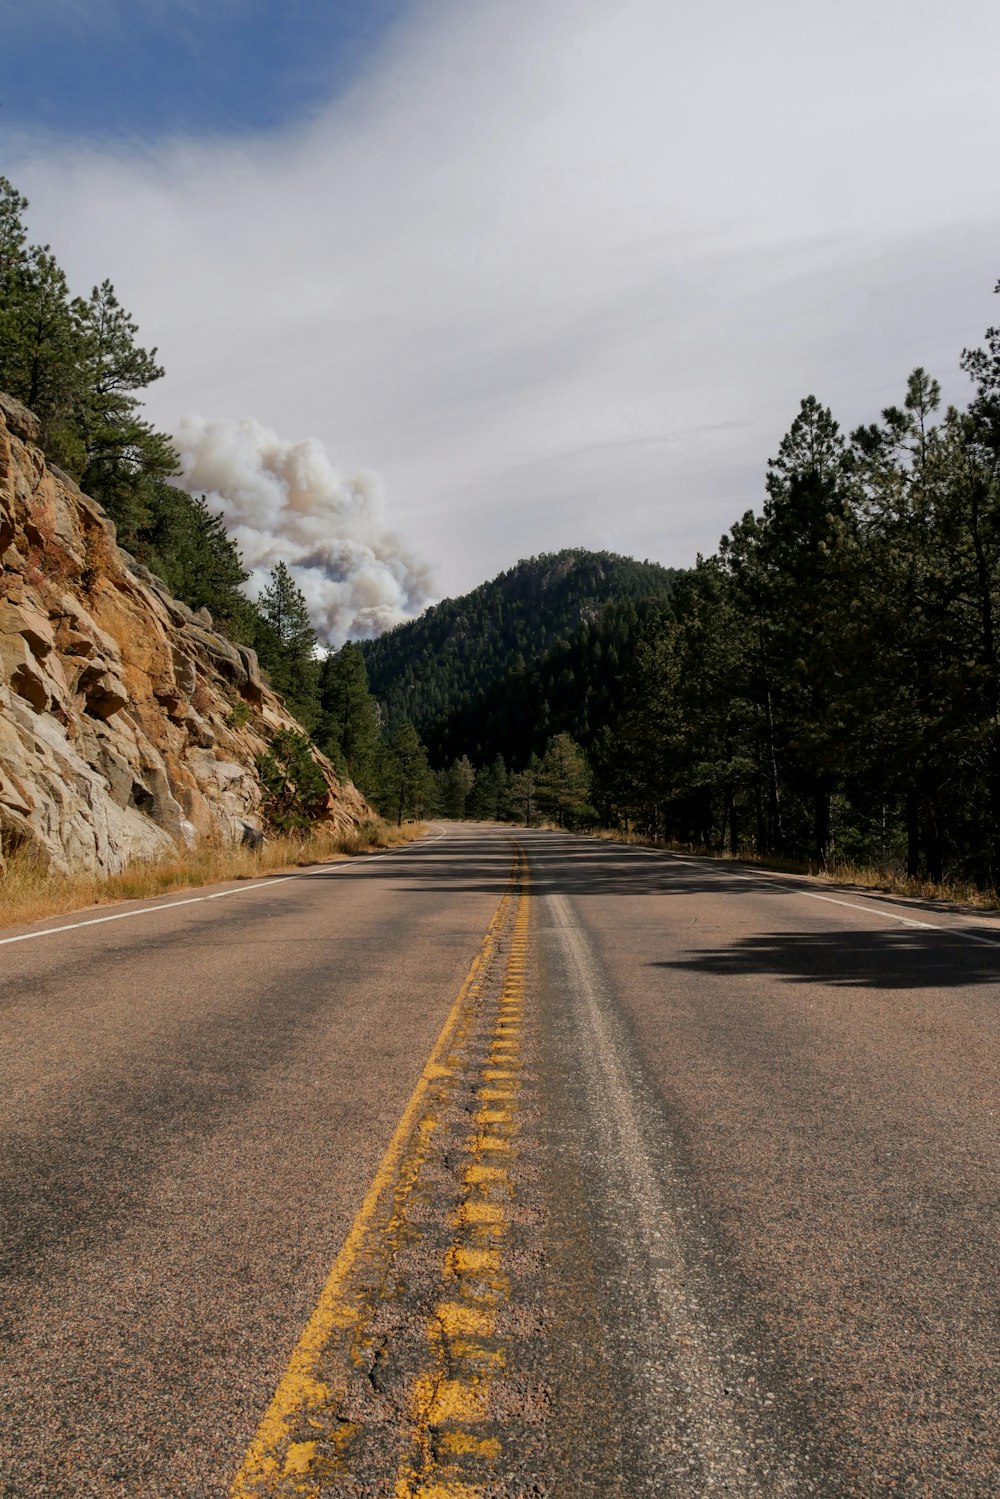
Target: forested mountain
[(827, 684), (535, 651), (830, 681)]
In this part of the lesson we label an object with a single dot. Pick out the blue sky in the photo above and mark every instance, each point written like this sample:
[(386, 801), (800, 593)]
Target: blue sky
[(505, 276), (152, 68)]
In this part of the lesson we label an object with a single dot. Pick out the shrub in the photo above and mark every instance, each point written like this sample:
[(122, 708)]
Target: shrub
[(293, 788)]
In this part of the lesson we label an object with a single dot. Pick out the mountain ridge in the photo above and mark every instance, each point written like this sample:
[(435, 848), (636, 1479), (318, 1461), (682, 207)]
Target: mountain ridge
[(473, 656)]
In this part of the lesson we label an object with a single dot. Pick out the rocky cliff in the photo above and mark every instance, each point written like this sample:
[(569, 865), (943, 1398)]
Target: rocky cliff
[(123, 733)]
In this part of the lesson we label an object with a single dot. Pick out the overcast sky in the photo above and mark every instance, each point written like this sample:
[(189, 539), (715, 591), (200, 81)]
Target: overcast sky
[(559, 272)]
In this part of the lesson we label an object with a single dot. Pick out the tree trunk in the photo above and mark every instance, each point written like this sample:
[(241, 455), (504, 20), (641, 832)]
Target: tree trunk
[(912, 834), (935, 844), (821, 822)]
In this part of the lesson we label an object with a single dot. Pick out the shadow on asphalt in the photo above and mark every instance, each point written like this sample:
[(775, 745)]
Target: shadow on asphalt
[(903, 958), (852, 960)]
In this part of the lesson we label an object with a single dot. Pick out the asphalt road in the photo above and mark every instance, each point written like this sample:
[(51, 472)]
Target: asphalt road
[(449, 1173)]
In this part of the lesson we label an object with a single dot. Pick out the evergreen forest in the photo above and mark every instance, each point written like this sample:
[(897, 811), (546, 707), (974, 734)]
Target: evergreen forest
[(825, 686)]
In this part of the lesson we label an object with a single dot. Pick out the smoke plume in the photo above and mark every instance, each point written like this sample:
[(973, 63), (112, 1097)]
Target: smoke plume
[(283, 501)]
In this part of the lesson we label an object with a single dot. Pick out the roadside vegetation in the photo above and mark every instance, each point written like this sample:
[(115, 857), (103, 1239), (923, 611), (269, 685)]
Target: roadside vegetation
[(823, 692), (885, 879), (77, 363), (31, 892)]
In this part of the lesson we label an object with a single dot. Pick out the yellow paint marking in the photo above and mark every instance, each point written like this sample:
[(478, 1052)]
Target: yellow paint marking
[(461, 1444), (457, 1320), (484, 1359), (461, 1400), (474, 1174), (298, 1459), (455, 1389), (462, 1261), (488, 1142), (298, 1390), (480, 1212)]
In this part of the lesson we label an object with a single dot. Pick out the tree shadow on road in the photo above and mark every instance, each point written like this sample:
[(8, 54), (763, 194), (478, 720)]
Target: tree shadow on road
[(903, 959)]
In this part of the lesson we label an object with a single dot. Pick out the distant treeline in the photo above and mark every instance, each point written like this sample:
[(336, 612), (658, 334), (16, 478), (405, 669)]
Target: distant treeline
[(826, 686), (830, 680)]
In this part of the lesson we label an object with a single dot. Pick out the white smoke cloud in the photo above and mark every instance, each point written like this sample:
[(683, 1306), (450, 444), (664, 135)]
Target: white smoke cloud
[(284, 501), (562, 271)]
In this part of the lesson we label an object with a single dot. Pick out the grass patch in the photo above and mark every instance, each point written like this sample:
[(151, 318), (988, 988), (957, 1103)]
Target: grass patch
[(30, 892), (863, 876)]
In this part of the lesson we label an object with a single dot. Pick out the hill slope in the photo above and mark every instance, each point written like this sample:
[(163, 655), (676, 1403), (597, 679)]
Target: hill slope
[(541, 642), (129, 726)]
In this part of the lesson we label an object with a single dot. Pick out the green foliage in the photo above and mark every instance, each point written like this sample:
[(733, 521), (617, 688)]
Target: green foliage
[(502, 669), (77, 363), (286, 644), (830, 683), (489, 798), (563, 786), (523, 797), (186, 545), (405, 780), (348, 729), (465, 665), (294, 790), (454, 788)]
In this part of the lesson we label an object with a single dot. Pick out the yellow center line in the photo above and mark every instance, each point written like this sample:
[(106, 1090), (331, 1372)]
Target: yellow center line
[(272, 1456), (451, 1403)]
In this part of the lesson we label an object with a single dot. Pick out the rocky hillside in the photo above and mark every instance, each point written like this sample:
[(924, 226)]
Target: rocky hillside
[(128, 725)]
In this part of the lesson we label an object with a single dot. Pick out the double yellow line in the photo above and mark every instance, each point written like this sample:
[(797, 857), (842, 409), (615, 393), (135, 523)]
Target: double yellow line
[(449, 1399)]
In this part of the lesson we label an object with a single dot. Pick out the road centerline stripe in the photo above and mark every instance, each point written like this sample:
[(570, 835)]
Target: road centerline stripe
[(280, 1460)]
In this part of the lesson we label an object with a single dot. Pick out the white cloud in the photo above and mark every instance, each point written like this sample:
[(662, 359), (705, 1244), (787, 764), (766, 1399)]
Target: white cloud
[(561, 272)]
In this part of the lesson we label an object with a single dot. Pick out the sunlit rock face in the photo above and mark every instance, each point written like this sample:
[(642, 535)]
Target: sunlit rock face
[(118, 735)]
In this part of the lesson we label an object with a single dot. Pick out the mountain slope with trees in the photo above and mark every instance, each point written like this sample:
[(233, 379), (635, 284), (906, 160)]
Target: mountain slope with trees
[(533, 652)]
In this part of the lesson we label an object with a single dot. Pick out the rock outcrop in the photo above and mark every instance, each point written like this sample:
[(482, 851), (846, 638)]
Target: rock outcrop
[(128, 725)]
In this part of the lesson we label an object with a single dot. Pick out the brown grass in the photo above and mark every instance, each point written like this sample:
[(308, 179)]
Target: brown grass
[(864, 876), (29, 892)]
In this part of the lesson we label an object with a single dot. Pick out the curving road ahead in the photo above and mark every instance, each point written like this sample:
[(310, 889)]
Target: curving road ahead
[(463, 1171)]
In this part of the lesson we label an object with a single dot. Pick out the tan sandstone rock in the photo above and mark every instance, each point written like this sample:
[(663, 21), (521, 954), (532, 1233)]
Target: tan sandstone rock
[(118, 739)]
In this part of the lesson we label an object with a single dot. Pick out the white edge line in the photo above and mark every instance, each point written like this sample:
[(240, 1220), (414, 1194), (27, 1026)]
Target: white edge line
[(739, 874), (195, 900)]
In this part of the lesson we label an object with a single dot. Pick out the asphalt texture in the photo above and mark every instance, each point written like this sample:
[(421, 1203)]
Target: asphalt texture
[(698, 1194)]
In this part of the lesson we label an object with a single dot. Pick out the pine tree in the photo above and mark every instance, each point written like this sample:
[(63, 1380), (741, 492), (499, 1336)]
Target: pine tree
[(187, 546), (564, 783), (287, 644), (406, 778), (348, 729), (123, 460)]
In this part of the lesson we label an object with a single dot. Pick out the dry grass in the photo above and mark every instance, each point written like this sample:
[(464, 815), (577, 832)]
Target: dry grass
[(864, 876), (29, 892)]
